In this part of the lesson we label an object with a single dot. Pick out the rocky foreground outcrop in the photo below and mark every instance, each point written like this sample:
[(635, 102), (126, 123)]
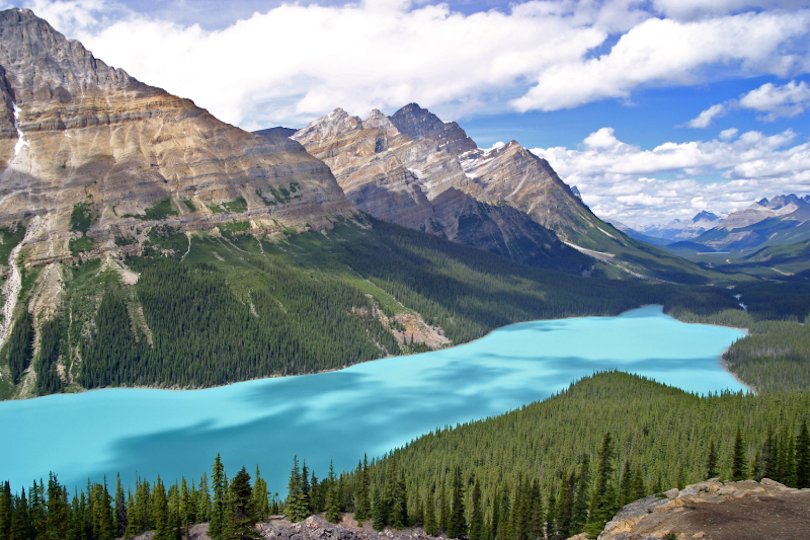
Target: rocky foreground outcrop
[(715, 510), (314, 528)]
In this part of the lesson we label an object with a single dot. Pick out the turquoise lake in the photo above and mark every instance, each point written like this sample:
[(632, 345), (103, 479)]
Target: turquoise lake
[(371, 407)]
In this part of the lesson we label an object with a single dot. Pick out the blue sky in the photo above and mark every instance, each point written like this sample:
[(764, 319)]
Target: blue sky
[(655, 109)]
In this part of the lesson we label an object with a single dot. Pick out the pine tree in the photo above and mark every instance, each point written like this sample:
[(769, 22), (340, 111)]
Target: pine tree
[(58, 514), (229, 526), (603, 502), (241, 509), (362, 502), (6, 504), (444, 510), (219, 486), (536, 512), (430, 525), (505, 510), (160, 512), (21, 521), (476, 530), (551, 518), (458, 525), (332, 497), (769, 457), (803, 457), (739, 463), (203, 510), (579, 515), (120, 508), (297, 507), (261, 501), (711, 462), (378, 512)]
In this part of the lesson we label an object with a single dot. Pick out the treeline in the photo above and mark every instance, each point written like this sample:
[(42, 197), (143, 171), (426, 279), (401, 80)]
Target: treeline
[(237, 308), (232, 507), (584, 500)]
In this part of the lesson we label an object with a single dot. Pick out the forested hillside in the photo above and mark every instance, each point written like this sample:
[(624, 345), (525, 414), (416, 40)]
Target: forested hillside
[(212, 309), (567, 464)]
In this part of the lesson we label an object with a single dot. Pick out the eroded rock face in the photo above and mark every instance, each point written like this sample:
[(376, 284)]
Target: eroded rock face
[(414, 170), (716, 510), (74, 130)]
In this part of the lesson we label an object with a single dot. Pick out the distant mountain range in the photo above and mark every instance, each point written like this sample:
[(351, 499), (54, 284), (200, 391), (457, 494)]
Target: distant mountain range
[(780, 220)]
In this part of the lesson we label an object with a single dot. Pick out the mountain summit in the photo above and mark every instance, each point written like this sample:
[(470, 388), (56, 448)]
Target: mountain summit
[(76, 133), (415, 170), (409, 169)]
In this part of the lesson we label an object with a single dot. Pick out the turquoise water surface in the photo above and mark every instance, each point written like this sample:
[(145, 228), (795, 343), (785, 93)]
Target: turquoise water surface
[(370, 407)]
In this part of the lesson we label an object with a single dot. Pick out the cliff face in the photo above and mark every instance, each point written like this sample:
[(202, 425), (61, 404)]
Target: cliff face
[(74, 130), (414, 170)]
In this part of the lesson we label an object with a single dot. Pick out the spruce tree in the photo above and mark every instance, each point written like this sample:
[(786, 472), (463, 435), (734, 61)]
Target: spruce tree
[(769, 457), (458, 525), (711, 462), (603, 502), (332, 497), (551, 517), (362, 501), (739, 463), (803, 457), (476, 530), (579, 515), (160, 512), (261, 501), (6, 504), (536, 512), (219, 486), (120, 508), (242, 513), (297, 507), (378, 510), (430, 525), (21, 521)]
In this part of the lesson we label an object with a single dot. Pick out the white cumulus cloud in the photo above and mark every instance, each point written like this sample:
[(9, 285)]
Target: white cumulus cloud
[(293, 62), (707, 116), (660, 51), (788, 100), (641, 186)]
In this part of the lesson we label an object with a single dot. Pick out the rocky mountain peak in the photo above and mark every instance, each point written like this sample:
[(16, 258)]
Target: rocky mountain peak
[(705, 215), (39, 61), (419, 123), (77, 133), (377, 120), (416, 122)]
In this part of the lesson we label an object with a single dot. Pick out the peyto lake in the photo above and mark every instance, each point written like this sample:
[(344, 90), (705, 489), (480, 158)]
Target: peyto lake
[(370, 407)]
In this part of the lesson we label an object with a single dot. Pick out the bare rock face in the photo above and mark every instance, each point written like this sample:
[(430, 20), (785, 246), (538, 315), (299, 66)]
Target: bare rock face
[(414, 170), (715, 510), (74, 130), (313, 528)]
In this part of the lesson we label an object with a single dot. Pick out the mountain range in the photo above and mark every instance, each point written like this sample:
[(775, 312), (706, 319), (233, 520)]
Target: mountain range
[(146, 242), (776, 221)]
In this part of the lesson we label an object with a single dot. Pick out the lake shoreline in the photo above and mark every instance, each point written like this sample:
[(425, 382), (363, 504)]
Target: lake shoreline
[(271, 377)]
